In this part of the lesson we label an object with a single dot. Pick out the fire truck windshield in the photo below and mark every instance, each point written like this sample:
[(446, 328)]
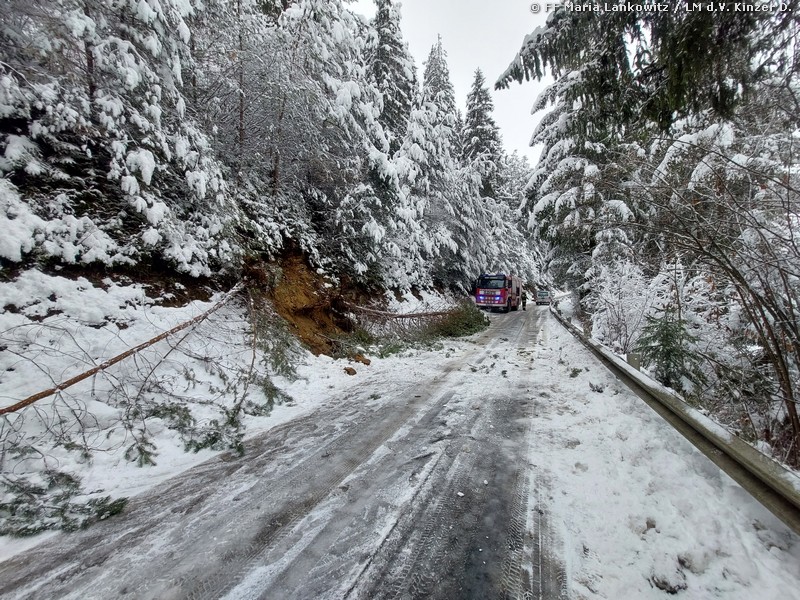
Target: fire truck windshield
[(492, 283)]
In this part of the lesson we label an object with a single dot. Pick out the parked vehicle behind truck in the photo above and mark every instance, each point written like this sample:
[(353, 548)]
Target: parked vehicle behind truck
[(543, 297), (498, 291)]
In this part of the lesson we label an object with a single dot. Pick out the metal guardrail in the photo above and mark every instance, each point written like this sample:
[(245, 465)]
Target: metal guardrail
[(774, 486)]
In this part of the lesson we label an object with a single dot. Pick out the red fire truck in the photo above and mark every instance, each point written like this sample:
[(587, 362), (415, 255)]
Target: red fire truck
[(498, 291)]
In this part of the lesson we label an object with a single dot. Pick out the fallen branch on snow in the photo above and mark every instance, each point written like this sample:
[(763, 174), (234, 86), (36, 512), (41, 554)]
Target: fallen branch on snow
[(390, 315), (112, 361)]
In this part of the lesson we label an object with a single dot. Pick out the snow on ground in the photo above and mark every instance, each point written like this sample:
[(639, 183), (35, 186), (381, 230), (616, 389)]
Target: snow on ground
[(53, 328), (144, 410), (636, 506), (420, 301)]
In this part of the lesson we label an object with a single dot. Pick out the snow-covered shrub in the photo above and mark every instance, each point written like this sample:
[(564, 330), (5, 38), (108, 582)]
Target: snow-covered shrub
[(619, 300)]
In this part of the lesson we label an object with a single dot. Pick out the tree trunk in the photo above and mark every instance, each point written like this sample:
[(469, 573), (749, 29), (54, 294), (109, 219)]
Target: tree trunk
[(88, 50), (241, 129)]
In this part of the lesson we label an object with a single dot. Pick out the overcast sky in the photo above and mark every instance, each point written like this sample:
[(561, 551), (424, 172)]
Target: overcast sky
[(485, 34)]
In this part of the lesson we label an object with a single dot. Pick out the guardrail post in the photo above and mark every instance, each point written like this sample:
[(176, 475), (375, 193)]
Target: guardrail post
[(634, 359)]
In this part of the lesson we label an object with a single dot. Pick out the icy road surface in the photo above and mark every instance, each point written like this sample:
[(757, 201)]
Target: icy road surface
[(488, 469)]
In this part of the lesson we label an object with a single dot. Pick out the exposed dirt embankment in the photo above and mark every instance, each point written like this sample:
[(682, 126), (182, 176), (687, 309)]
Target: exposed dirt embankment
[(309, 304)]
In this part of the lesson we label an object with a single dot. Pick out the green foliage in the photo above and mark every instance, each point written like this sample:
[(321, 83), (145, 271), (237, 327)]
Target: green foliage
[(29, 507), (272, 394), (219, 435), (665, 344), (106, 507), (362, 337), (393, 346), (464, 320), (356, 341), (274, 340), (142, 451), (175, 416)]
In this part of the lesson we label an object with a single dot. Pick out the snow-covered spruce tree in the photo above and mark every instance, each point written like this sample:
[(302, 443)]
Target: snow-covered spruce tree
[(577, 192), (664, 344), (716, 193), (568, 189), (424, 163), (350, 185), (229, 84), (436, 84), (512, 179), (102, 160), (458, 141), (393, 72), (615, 74), (446, 233), (480, 135), (243, 87), (656, 65), (448, 192)]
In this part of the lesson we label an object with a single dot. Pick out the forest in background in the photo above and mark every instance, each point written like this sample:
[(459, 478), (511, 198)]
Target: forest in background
[(197, 134)]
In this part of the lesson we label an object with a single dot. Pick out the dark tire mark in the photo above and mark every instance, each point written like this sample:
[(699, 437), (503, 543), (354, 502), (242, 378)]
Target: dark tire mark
[(549, 579)]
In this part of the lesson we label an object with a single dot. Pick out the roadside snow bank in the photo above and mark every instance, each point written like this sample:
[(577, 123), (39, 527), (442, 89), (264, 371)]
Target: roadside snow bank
[(68, 458), (126, 430), (640, 511)]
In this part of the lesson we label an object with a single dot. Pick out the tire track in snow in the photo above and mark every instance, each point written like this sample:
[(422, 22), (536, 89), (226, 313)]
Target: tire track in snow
[(549, 581), (305, 490), (461, 552), (516, 581), (371, 479), (270, 517)]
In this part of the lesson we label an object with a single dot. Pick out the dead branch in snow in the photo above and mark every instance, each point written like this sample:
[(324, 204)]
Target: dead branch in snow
[(130, 352)]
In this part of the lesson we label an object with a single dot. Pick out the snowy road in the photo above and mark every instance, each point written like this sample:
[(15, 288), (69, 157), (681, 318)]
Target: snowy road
[(489, 469)]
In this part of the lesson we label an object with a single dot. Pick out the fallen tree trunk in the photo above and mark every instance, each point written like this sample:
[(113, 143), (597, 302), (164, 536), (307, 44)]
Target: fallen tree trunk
[(390, 315)]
